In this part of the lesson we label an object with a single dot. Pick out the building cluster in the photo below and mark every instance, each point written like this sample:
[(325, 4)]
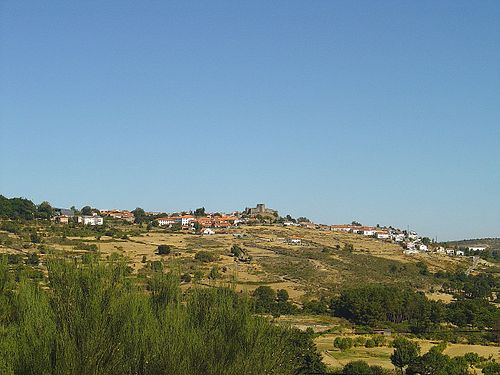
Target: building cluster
[(65, 216), (380, 233), (209, 221), (458, 252), (119, 214)]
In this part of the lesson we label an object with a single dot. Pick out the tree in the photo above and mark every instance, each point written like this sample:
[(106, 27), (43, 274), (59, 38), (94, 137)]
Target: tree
[(356, 223), (357, 368), (491, 368), (45, 211), (426, 241), (143, 259), (343, 343), (236, 250), (86, 210), (164, 249), (282, 295), (405, 352), (199, 212), (265, 297), (139, 215), (303, 219), (197, 227)]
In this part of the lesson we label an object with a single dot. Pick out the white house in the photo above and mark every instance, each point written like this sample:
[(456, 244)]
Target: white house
[(423, 247), (341, 228), (166, 221), (413, 235), (368, 232), (440, 250), (477, 248), (90, 220), (399, 237), (460, 253), (410, 246), (208, 231), (186, 219), (382, 235), (450, 252)]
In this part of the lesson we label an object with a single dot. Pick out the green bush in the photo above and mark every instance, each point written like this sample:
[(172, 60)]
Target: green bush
[(164, 249), (205, 256), (92, 319), (343, 343)]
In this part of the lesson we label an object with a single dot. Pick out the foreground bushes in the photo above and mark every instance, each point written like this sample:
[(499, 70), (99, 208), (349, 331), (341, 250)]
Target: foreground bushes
[(95, 319)]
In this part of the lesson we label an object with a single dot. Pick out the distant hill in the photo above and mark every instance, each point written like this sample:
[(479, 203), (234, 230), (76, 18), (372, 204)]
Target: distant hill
[(491, 243)]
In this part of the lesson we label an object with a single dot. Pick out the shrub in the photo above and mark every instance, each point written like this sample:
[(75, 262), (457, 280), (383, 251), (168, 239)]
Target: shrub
[(236, 251), (343, 343), (205, 257), (164, 249), (157, 266), (370, 343), (359, 341), (214, 273)]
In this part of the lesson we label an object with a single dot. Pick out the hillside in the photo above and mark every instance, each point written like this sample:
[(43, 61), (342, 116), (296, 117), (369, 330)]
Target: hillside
[(492, 243), (319, 266), (313, 266)]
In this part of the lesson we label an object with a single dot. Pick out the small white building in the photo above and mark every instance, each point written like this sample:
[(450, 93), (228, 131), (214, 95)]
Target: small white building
[(477, 248), (413, 235), (440, 250), (398, 237), (423, 247), (208, 231), (186, 219), (450, 252), (90, 220), (382, 235), (166, 221), (290, 224), (341, 228), (459, 253)]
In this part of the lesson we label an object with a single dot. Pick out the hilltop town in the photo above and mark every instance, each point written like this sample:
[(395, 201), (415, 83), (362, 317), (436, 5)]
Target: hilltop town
[(200, 222)]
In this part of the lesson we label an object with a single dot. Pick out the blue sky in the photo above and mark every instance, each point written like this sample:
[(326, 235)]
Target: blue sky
[(383, 112)]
